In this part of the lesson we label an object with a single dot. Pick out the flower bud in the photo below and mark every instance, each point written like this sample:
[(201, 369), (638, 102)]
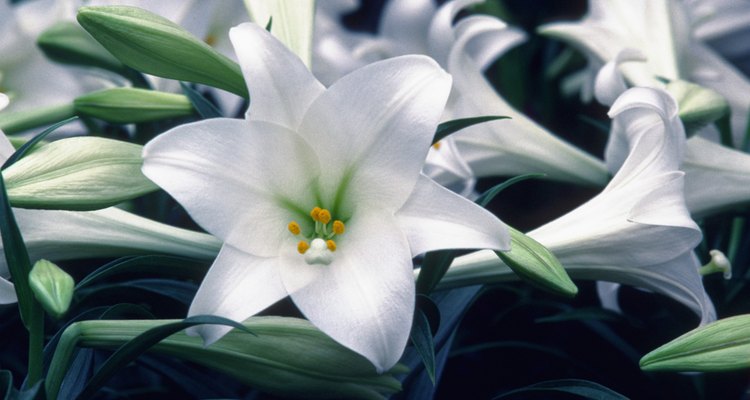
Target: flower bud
[(52, 287), (77, 173), (533, 262), (155, 45), (131, 105), (719, 346), (288, 357), (67, 43), (699, 106)]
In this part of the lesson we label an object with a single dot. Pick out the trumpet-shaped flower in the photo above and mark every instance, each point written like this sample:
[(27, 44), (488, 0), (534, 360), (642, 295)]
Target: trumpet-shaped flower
[(509, 147), (716, 176), (318, 195), (662, 32), (638, 230)]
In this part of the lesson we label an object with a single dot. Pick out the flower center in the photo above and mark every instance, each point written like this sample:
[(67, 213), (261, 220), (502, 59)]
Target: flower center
[(319, 246)]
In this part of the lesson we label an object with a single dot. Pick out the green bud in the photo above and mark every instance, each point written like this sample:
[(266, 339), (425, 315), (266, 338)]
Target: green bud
[(720, 346), (131, 105), (67, 43), (52, 287), (533, 262), (77, 173), (155, 45), (699, 106), (287, 357)]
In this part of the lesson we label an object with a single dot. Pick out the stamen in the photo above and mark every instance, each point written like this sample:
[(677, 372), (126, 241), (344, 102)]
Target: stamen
[(338, 227), (324, 216), (302, 247), (294, 228), (436, 145), (315, 213), (331, 245)]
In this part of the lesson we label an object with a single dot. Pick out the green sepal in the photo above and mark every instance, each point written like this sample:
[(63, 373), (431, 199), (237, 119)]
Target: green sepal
[(67, 43), (532, 261), (52, 287), (580, 388), (78, 173), (719, 346), (155, 45), (128, 105)]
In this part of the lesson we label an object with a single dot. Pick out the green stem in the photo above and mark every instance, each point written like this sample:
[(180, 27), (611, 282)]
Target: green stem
[(36, 345), (61, 360), (23, 120)]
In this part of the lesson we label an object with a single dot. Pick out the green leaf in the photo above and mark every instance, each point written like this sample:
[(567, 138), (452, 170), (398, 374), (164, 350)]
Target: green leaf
[(141, 343), (165, 265), (448, 127), (532, 261), (29, 145), (6, 384), (485, 198), (578, 387), (421, 338), (154, 45), (127, 105), (201, 104), (77, 173), (723, 345), (19, 121)]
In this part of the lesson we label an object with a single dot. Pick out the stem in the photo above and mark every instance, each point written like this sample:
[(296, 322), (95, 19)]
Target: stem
[(23, 120), (36, 345), (61, 360)]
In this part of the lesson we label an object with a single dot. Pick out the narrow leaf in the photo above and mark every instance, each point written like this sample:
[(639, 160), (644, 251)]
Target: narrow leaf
[(167, 265), (141, 343), (421, 338), (578, 387), (448, 127), (28, 146), (204, 107)]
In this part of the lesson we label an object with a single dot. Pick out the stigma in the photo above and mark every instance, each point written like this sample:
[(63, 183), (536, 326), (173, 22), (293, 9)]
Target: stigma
[(319, 247)]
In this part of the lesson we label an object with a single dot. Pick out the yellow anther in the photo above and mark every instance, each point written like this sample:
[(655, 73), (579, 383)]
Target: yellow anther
[(338, 227), (436, 145), (315, 213), (294, 228), (331, 245), (302, 246), (210, 40), (324, 216)]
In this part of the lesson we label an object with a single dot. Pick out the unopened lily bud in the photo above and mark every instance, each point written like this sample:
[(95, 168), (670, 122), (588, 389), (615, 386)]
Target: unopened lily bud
[(155, 45), (131, 105), (77, 173), (67, 43), (532, 261), (719, 346), (699, 106), (52, 287), (288, 357)]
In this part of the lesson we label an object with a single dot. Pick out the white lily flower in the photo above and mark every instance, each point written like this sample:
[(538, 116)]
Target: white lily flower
[(638, 230), (716, 176), (662, 32), (352, 154), (724, 25)]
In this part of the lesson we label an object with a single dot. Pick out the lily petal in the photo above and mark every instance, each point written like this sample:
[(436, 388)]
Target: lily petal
[(237, 286), (436, 218), (221, 157), (407, 23), (280, 85), (386, 114), (365, 298)]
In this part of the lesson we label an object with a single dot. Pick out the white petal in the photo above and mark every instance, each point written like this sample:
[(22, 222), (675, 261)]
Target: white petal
[(365, 298), (7, 292), (607, 292), (281, 87), (435, 218), (406, 24), (716, 176), (237, 286), (3, 101), (517, 145), (372, 129), (440, 37), (647, 130), (610, 83), (230, 178)]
